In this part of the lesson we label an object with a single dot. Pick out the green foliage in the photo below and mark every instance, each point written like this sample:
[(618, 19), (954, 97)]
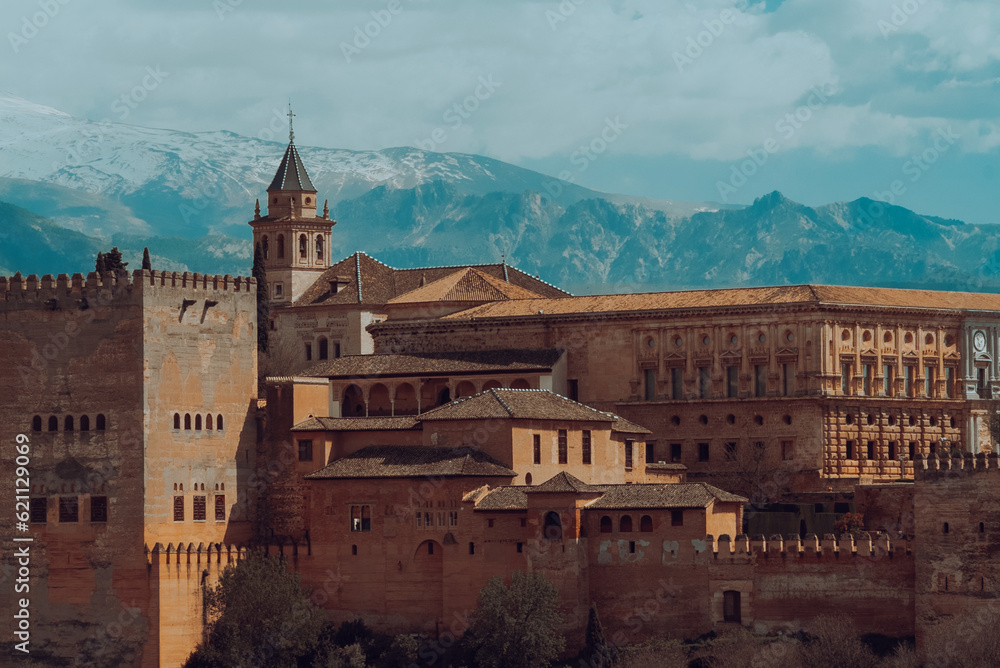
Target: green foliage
[(597, 653), (402, 653), (515, 626), (146, 264), (263, 617), (263, 306), (850, 523), (111, 261)]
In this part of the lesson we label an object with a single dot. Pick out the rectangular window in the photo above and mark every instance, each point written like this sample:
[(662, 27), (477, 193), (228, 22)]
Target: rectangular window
[(866, 379), (677, 383), (949, 382), (628, 455), (39, 508), (980, 382), (563, 447), (453, 518), (928, 381), (199, 509), (912, 448), (220, 507), (309, 352), (520, 548), (361, 518), (732, 382), (277, 289), (731, 607), (908, 380), (68, 509), (651, 452), (178, 509), (850, 450), (98, 509), (650, 384), (675, 452), (573, 389), (760, 380), (892, 450), (537, 446), (889, 376), (419, 520), (787, 450), (336, 350), (704, 382), (305, 451), (731, 450), (676, 518), (870, 450), (787, 378), (586, 446), (845, 378), (703, 452)]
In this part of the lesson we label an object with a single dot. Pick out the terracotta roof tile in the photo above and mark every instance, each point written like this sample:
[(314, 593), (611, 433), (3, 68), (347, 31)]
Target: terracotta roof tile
[(412, 461), (465, 285), (818, 295), (357, 424), (504, 498), (506, 403), (562, 482), (618, 497), (485, 361), (628, 427)]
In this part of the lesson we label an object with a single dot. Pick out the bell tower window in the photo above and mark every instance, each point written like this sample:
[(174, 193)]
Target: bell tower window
[(319, 248), (281, 246), (302, 246), (264, 247)]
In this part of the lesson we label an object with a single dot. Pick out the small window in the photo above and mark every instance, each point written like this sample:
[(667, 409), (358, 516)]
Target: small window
[(305, 450), (527, 478), (197, 422), (187, 421), (324, 348), (631, 547), (625, 524), (731, 450), (178, 509), (354, 550), (36, 423), (537, 448), (731, 606), (703, 452), (98, 509), (563, 453), (361, 518), (199, 509), (84, 423), (319, 243), (53, 423), (520, 548), (218, 423), (489, 523), (430, 548), (605, 524), (220, 507), (586, 446), (68, 422), (650, 452), (177, 420), (278, 290), (676, 518), (982, 527), (39, 509), (208, 422), (100, 422), (675, 452), (945, 526), (472, 548), (68, 509), (850, 450), (646, 524), (628, 455), (552, 529), (302, 246)]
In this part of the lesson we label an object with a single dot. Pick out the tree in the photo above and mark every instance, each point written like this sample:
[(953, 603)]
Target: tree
[(850, 523), (756, 472), (597, 653), (263, 306), (262, 617), (145, 259), (100, 266), (113, 261), (515, 626)]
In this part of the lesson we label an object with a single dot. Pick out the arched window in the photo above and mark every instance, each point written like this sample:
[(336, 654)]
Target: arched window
[(208, 421), (302, 246), (527, 478), (319, 247), (68, 423), (84, 423), (646, 524), (218, 423), (36, 423), (264, 246), (187, 421), (605, 524), (281, 246), (53, 423), (177, 420), (324, 348), (552, 529), (197, 422), (625, 524), (100, 422)]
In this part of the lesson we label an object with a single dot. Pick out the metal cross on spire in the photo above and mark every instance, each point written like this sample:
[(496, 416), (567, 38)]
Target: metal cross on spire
[(291, 132)]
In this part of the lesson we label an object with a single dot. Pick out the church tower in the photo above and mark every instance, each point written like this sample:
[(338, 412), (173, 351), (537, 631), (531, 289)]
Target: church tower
[(295, 241)]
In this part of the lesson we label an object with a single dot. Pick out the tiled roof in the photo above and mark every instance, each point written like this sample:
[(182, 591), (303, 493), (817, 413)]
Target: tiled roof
[(618, 497), (465, 285), (381, 283), (628, 427), (817, 295), (412, 461), (516, 404), (357, 424), (562, 482), (495, 361), (291, 174)]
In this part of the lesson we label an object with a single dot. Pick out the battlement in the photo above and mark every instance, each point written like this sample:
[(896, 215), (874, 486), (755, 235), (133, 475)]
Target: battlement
[(213, 553), (48, 291), (932, 467), (812, 547)]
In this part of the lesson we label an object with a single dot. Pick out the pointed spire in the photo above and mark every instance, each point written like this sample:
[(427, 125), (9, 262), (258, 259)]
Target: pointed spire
[(326, 209), (291, 132), (256, 210), (291, 174)]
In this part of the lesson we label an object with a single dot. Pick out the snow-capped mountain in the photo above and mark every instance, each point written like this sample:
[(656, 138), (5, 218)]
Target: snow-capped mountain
[(188, 197)]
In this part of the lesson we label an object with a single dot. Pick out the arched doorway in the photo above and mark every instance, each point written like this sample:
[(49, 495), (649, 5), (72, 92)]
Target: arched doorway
[(353, 404), (465, 389), (378, 400)]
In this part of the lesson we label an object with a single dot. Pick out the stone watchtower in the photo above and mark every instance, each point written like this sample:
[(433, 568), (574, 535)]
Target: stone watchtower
[(294, 240)]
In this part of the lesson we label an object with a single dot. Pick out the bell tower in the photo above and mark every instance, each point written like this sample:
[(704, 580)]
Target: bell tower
[(295, 241)]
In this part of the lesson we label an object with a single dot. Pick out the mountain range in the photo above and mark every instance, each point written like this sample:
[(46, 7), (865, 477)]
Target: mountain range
[(70, 187)]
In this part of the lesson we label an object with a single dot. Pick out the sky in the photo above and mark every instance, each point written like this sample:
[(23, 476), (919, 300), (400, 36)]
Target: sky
[(713, 100)]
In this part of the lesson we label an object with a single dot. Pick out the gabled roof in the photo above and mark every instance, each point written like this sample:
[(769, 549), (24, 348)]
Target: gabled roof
[(375, 283), (510, 497), (815, 295), (465, 285), (412, 461), (562, 482), (357, 424), (291, 174), (615, 497), (485, 361), (504, 403)]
